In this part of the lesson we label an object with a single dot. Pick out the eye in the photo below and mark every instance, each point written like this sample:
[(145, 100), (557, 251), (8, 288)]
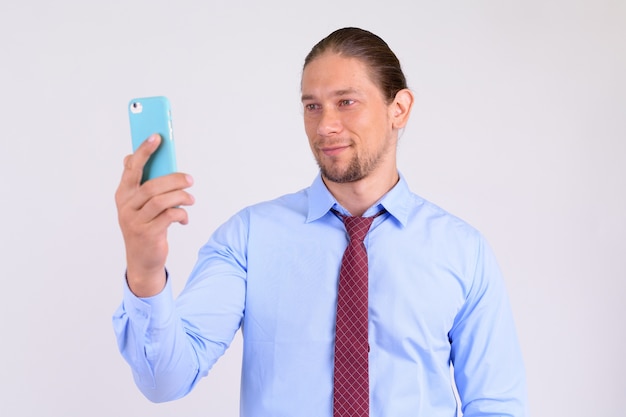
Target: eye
[(311, 107), (346, 102)]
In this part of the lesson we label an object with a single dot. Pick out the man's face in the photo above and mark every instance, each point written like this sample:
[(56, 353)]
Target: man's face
[(346, 119)]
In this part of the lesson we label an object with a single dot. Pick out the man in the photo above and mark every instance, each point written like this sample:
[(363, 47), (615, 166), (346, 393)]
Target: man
[(436, 296)]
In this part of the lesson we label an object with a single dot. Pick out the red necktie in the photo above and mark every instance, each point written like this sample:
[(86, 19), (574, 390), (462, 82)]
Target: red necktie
[(351, 375)]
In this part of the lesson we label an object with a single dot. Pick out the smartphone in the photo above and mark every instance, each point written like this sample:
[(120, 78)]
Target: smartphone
[(150, 115)]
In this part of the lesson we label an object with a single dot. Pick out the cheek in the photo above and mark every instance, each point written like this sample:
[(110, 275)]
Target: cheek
[(361, 121)]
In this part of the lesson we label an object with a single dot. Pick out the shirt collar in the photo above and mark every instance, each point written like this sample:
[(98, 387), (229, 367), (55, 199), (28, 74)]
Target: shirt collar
[(397, 201), (320, 199)]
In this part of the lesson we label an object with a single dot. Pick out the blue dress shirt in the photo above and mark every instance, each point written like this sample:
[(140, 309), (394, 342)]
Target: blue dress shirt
[(436, 299)]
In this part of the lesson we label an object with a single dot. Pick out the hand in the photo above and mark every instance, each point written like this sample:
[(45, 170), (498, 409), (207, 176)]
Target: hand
[(145, 211)]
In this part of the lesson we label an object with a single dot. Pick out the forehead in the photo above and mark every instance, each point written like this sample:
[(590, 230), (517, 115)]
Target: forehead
[(332, 71)]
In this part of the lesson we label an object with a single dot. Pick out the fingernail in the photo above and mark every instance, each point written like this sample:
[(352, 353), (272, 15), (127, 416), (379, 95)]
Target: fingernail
[(152, 137), (189, 179)]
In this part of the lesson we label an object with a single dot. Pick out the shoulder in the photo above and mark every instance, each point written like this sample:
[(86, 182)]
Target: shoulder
[(296, 202), (432, 217), (287, 207)]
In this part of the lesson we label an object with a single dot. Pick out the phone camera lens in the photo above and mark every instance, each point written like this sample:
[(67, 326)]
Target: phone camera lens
[(136, 107)]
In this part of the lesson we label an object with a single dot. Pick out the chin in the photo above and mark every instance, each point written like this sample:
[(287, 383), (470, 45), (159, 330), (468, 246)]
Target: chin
[(342, 177), (342, 173)]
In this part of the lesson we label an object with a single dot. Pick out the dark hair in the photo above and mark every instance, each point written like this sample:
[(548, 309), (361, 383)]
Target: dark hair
[(358, 43)]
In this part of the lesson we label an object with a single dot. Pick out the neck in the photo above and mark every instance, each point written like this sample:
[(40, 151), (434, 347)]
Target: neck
[(360, 195)]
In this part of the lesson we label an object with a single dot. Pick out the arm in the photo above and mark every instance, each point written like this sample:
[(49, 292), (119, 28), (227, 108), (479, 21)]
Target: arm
[(170, 345), (153, 343), (145, 212), (488, 366)]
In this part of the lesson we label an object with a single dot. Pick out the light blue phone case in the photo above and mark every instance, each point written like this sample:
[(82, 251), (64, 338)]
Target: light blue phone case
[(150, 115)]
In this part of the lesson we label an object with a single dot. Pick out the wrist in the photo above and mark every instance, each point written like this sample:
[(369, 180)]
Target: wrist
[(146, 284)]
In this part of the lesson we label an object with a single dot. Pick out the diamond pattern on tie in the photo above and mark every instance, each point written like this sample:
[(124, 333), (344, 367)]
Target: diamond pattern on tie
[(351, 374)]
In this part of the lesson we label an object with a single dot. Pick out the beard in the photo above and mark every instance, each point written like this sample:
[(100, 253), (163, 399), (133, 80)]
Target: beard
[(357, 168), (354, 171)]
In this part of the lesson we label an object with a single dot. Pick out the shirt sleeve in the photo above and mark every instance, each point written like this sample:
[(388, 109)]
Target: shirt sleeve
[(153, 344), (171, 344), (488, 366)]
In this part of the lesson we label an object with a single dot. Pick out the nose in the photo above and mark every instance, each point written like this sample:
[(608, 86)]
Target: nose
[(329, 122)]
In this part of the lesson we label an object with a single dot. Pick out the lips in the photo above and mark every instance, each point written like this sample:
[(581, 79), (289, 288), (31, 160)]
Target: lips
[(333, 150)]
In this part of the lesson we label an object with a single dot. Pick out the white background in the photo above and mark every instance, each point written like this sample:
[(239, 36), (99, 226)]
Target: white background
[(519, 128)]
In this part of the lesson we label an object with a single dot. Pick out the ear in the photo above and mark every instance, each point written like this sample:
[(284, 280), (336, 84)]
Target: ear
[(401, 108)]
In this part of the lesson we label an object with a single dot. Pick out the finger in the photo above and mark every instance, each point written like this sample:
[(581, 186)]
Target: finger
[(166, 183), (133, 164), (159, 186), (169, 216), (142, 205), (161, 203)]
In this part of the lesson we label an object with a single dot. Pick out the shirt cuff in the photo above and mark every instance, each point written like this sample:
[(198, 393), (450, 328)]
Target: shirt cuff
[(157, 309)]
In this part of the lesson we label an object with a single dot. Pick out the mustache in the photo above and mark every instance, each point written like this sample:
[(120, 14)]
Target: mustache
[(334, 143)]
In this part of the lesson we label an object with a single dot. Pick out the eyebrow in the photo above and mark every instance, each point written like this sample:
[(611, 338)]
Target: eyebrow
[(338, 93)]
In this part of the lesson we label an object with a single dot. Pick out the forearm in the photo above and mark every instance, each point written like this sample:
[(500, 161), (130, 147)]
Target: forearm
[(171, 345), (153, 341)]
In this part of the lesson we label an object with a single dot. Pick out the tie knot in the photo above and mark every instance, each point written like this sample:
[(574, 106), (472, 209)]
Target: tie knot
[(357, 227)]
